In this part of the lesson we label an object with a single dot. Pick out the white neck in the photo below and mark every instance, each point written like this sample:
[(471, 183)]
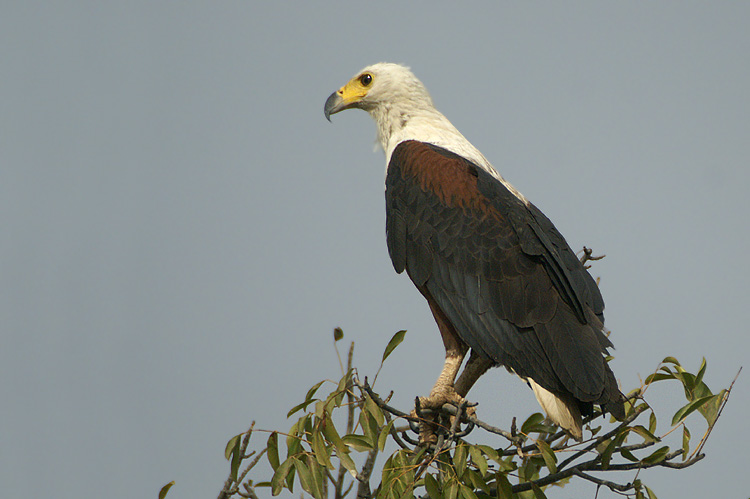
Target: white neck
[(427, 124)]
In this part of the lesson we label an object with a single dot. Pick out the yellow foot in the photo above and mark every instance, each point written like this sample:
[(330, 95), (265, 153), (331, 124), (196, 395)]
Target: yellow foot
[(429, 425), (440, 397)]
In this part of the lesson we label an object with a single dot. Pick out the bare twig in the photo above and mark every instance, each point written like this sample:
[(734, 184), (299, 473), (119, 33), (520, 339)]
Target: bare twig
[(606, 483), (595, 465), (376, 398), (587, 256), (232, 485), (363, 490), (339, 482)]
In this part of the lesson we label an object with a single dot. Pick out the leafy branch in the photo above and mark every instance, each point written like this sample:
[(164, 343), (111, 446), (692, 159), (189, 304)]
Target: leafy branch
[(332, 447)]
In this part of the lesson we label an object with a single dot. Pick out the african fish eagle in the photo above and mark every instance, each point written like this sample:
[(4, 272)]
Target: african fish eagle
[(500, 280)]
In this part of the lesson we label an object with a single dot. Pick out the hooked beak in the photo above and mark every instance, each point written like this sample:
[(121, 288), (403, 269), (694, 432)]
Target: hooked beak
[(334, 104)]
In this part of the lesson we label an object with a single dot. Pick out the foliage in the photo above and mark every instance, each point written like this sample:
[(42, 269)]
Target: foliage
[(329, 460)]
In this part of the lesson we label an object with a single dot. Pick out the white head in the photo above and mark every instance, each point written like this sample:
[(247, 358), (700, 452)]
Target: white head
[(378, 88), (402, 109), (390, 93)]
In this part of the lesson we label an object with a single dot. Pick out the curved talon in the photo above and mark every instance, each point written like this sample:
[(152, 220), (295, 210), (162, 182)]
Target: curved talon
[(440, 397), (429, 424), (414, 426), (465, 431)]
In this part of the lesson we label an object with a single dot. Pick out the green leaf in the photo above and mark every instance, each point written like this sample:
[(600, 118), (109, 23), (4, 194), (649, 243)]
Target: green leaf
[(629, 407), (272, 450), (628, 455), (508, 464), (607, 453), (531, 423), (305, 478), (670, 360), (647, 435), (165, 489), (320, 409), (292, 440), (451, 490), (296, 436), (347, 462), (466, 492), (650, 493), (688, 381), (701, 372), (395, 341), (474, 480), (538, 494), (459, 459), (308, 399), (319, 477), (280, 475), (369, 428), (398, 475), (550, 460), (652, 422), (656, 456), (432, 487), (329, 430), (357, 442), (308, 426), (388, 479), (337, 397), (685, 442), (491, 453), (416, 457), (320, 450), (374, 410), (530, 470), (689, 408), (234, 443), (232, 451), (383, 437), (478, 459), (290, 477), (338, 334), (699, 390), (710, 410), (313, 389), (503, 486), (299, 407), (651, 378)]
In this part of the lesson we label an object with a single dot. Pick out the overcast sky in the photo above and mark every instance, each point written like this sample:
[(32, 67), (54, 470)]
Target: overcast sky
[(181, 229)]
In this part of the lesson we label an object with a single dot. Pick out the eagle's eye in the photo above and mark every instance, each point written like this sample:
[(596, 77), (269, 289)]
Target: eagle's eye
[(365, 79)]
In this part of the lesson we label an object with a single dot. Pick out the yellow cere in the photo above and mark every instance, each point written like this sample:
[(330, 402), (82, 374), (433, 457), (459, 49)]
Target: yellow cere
[(352, 91)]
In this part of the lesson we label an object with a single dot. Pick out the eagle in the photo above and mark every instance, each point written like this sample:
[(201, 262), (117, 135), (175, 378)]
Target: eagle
[(500, 280)]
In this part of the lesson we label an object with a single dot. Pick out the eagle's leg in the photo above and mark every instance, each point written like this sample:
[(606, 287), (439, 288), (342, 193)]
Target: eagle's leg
[(455, 351), (476, 366), (444, 391)]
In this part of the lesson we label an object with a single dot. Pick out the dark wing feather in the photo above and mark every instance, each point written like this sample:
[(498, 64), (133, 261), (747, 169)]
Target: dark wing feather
[(499, 270)]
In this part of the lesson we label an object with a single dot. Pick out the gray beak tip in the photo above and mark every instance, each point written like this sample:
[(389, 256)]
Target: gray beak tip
[(332, 105)]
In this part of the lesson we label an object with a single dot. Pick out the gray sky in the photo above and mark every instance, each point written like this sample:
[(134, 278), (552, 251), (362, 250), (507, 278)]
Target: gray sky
[(181, 229)]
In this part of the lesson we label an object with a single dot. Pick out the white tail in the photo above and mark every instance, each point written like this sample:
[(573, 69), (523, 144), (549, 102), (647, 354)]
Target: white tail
[(561, 409)]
